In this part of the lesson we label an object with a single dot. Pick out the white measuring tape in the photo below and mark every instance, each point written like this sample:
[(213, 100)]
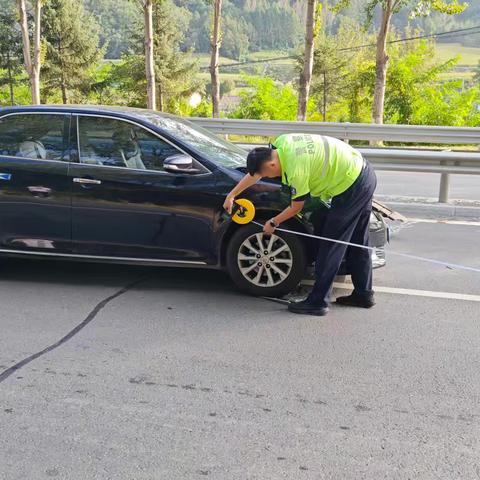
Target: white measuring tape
[(390, 252)]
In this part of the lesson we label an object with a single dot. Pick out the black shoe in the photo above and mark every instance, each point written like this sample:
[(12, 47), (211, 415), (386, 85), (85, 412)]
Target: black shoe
[(355, 300), (307, 308)]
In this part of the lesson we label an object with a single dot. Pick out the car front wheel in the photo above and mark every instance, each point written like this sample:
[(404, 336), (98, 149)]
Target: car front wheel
[(268, 265)]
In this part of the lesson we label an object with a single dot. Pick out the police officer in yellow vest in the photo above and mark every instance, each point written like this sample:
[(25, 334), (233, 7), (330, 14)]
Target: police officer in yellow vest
[(332, 170)]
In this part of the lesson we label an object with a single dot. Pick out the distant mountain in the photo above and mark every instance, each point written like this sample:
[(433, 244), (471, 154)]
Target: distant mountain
[(255, 25)]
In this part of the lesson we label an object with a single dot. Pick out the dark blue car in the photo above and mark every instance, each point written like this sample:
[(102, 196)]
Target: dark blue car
[(135, 186)]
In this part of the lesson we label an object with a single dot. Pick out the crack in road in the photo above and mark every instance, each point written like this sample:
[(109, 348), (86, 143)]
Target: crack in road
[(93, 313)]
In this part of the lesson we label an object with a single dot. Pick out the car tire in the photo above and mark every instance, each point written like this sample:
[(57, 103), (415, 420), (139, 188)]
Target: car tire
[(280, 274)]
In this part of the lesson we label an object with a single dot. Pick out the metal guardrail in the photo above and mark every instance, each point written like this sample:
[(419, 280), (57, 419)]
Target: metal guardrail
[(426, 161), (346, 131), (444, 162)]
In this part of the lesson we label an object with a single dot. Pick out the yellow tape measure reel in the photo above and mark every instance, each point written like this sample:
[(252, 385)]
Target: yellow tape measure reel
[(245, 211)]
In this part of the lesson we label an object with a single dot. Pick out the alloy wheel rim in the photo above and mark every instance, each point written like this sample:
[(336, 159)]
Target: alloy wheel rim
[(265, 260)]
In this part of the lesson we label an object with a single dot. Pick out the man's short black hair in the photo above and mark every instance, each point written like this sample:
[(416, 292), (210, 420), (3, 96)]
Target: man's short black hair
[(257, 157)]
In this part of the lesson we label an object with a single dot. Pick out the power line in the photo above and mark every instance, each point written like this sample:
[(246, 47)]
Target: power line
[(250, 62), (448, 34)]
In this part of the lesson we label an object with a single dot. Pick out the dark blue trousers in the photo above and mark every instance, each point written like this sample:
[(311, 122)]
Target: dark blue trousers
[(348, 219)]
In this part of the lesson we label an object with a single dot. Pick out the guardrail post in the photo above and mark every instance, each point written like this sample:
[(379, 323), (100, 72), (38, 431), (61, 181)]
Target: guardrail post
[(444, 187)]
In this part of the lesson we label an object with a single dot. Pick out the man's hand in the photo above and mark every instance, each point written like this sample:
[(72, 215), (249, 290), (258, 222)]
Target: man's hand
[(246, 182), (269, 228), (289, 212), (228, 204)]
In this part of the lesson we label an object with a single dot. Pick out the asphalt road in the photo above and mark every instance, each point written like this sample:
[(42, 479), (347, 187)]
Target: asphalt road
[(404, 184), (180, 377)]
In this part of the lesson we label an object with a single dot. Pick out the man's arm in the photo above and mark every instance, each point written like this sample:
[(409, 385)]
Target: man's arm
[(301, 190), (295, 208), (246, 182)]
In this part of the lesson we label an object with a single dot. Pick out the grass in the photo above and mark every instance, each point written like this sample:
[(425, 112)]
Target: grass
[(469, 56), (204, 59), (271, 54), (457, 76), (223, 76)]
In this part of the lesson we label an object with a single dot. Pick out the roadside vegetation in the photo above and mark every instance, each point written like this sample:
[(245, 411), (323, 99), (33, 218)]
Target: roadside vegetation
[(93, 51)]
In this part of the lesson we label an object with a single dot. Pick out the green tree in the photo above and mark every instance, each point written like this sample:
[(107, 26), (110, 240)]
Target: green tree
[(357, 104), (341, 76), (437, 22), (198, 27), (413, 71), (476, 78), (175, 73), (71, 36), (389, 8), (32, 43), (415, 94), (305, 78), (226, 86), (235, 42), (330, 73), (215, 43), (118, 19), (265, 100), (10, 52), (272, 24), (448, 104)]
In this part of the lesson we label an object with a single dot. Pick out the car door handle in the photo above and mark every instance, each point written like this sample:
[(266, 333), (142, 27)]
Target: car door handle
[(87, 181), (39, 191)]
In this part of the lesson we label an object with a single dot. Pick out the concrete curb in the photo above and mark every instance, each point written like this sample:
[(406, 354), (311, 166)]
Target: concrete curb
[(434, 211)]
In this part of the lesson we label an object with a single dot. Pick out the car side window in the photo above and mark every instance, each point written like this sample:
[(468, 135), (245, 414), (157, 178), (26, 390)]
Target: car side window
[(116, 143), (34, 136)]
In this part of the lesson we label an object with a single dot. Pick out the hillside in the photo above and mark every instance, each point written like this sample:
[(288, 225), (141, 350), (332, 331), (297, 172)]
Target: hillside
[(256, 25)]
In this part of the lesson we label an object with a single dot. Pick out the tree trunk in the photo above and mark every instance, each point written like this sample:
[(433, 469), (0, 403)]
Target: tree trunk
[(215, 44), (160, 97), (381, 64), (32, 67), (36, 66), (23, 21), (63, 86), (64, 91), (10, 79), (306, 75), (324, 96), (149, 62)]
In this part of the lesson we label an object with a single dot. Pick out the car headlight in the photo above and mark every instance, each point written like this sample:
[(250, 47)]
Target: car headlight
[(375, 223), (378, 257)]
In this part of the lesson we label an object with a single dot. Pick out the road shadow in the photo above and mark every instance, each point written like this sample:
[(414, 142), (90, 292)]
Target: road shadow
[(113, 275)]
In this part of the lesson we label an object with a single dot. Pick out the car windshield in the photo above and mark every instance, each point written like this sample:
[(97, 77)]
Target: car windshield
[(208, 144)]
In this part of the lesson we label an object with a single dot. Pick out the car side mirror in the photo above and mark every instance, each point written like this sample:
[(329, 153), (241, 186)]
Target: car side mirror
[(179, 163)]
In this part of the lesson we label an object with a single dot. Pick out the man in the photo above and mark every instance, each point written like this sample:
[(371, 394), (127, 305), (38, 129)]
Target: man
[(327, 168)]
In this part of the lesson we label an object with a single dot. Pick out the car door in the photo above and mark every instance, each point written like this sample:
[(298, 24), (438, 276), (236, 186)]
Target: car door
[(34, 183), (124, 203)]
